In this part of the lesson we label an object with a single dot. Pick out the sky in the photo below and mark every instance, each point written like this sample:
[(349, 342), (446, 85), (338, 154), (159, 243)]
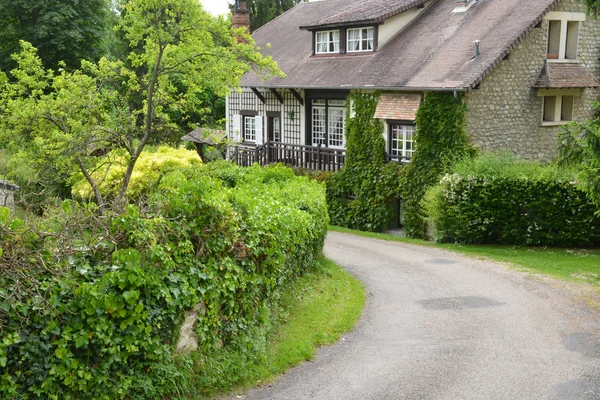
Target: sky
[(216, 7)]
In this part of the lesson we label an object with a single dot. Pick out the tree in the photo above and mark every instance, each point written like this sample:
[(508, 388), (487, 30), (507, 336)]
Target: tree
[(263, 11), (68, 115), (66, 30), (593, 7)]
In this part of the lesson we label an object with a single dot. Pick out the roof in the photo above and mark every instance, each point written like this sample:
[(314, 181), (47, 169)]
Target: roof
[(564, 76), (210, 137), (435, 52), (368, 12), (398, 106)]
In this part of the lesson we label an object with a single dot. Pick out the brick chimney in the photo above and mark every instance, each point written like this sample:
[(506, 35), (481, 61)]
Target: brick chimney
[(240, 15)]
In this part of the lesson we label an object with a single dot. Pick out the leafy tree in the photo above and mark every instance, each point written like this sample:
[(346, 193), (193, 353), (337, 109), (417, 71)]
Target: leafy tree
[(263, 11), (61, 118), (65, 30), (593, 7)]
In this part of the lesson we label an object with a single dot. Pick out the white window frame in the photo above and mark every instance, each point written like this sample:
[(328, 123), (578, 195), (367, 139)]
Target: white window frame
[(564, 18), (332, 45), (361, 40), (325, 129), (249, 128), (401, 151), (558, 94)]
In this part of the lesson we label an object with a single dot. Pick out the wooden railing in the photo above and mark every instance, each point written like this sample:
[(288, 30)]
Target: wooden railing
[(306, 157)]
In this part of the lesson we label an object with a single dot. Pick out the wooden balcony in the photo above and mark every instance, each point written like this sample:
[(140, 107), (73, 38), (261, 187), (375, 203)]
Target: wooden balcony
[(313, 158)]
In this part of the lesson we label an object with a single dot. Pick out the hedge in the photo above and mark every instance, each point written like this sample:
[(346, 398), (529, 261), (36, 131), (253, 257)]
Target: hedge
[(507, 201), (93, 308)]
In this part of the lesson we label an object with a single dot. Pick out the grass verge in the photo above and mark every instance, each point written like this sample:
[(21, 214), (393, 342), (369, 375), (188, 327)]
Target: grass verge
[(578, 265), (317, 309)]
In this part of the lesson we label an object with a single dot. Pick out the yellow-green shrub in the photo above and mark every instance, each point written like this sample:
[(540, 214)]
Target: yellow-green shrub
[(153, 163)]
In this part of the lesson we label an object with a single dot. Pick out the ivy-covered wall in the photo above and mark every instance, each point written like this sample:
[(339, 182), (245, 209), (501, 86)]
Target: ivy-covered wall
[(441, 141), (362, 195)]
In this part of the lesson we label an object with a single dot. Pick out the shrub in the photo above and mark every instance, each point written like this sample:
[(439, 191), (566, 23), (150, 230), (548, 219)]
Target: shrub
[(152, 164), (91, 307), (499, 199)]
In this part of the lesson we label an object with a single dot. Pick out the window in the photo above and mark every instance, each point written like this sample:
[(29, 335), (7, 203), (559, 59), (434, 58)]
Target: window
[(563, 35), (361, 39), (249, 129), (327, 42), (558, 109), (401, 141), (277, 129), (328, 122)]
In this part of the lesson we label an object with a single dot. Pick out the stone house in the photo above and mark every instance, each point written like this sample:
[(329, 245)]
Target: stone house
[(525, 68)]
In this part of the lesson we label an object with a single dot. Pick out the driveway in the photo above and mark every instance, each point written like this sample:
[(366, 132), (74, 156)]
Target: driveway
[(441, 326)]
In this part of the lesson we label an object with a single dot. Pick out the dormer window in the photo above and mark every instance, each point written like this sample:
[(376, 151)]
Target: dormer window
[(327, 42), (563, 35), (360, 39)]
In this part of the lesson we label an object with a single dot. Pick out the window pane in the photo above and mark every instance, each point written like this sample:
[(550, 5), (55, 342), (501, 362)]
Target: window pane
[(566, 113), (249, 129), (401, 141), (327, 42), (276, 129), (337, 102), (336, 127), (554, 39), (318, 126), (572, 38), (549, 108), (360, 39)]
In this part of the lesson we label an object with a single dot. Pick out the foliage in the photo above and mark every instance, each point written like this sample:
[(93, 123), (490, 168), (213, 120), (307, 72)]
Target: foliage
[(499, 199), (152, 165), (593, 7), (579, 146), (263, 11), (91, 307), (362, 194), (441, 141), (62, 30), (57, 119)]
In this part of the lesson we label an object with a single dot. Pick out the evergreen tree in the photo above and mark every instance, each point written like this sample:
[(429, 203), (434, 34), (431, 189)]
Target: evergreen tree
[(263, 11)]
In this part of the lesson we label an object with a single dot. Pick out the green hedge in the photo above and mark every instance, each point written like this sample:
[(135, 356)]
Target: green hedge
[(93, 308), (507, 201)]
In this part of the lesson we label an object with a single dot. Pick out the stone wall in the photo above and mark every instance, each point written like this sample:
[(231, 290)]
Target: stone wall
[(7, 198), (505, 113)]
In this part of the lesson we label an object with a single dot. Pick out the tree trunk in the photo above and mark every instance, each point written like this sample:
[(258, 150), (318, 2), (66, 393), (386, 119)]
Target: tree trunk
[(95, 188)]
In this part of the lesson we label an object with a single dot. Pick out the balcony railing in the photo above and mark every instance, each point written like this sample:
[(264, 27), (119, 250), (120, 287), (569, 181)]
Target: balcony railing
[(313, 158)]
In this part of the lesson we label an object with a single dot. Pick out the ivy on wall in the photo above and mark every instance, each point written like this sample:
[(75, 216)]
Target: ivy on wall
[(441, 141), (361, 196)]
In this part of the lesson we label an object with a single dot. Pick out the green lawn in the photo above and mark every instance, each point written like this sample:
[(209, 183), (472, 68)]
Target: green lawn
[(569, 264), (317, 309)]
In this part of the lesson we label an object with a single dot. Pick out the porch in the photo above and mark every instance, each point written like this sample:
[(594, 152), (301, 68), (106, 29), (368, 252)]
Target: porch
[(312, 158)]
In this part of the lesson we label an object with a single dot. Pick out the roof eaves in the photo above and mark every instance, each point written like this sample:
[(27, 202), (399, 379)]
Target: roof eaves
[(381, 88), (506, 51)]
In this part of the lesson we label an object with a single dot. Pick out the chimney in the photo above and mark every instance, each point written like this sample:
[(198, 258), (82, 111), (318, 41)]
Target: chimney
[(240, 15)]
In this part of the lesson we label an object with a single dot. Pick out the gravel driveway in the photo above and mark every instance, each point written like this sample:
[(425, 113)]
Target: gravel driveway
[(441, 326)]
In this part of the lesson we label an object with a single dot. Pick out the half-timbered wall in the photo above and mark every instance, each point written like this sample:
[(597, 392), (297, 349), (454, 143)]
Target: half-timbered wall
[(291, 113)]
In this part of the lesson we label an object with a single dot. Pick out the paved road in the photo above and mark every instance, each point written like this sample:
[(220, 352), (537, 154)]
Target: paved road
[(441, 326)]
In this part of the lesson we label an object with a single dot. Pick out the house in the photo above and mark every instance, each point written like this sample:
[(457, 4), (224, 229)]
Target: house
[(525, 68)]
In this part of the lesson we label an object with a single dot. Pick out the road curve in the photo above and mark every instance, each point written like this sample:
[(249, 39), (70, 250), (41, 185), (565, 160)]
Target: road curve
[(441, 326)]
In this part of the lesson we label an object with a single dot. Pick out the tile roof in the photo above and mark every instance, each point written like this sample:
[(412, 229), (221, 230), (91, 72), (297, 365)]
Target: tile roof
[(398, 106), (564, 75), (373, 11), (435, 52), (206, 136)]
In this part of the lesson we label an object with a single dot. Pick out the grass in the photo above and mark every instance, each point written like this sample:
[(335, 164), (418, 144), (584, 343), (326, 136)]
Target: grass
[(318, 309), (578, 265)]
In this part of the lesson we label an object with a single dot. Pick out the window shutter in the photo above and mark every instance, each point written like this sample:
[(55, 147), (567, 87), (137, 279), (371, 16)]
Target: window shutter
[(237, 128), (259, 130)]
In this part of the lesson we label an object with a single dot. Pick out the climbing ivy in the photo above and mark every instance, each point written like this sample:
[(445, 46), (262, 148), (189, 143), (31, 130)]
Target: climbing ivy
[(361, 195), (441, 141)]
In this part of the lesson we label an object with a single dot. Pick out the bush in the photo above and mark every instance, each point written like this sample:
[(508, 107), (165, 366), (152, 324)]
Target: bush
[(92, 308), (152, 164), (499, 199)]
